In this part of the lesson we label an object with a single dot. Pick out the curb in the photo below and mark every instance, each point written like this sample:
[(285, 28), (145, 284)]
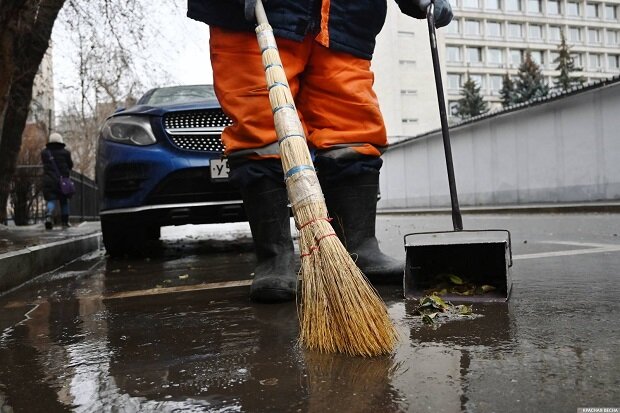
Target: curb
[(17, 267), (512, 209)]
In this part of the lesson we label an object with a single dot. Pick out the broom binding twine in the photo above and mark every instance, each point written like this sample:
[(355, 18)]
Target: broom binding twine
[(339, 311)]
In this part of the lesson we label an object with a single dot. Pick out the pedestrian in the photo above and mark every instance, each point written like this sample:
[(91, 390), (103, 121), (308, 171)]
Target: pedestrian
[(57, 162), (326, 47)]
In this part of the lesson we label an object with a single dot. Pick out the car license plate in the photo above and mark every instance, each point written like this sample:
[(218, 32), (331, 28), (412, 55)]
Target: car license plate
[(219, 169)]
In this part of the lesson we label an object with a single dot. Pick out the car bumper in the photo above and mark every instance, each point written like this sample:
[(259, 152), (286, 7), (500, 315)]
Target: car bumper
[(179, 214)]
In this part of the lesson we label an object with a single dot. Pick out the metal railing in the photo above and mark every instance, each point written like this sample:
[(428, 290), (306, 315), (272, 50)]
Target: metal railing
[(26, 203)]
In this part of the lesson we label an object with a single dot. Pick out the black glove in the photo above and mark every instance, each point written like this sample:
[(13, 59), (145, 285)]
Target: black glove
[(417, 8), (250, 9)]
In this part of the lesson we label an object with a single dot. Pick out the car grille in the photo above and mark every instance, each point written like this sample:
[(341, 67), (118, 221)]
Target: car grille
[(192, 185), (122, 180), (197, 130)]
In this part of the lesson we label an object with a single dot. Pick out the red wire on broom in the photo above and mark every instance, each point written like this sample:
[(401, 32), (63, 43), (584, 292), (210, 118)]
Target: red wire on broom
[(339, 311)]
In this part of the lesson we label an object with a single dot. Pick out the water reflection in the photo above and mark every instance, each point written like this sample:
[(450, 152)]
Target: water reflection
[(214, 350), (351, 384), (215, 347), (491, 326), (437, 359), (29, 361)]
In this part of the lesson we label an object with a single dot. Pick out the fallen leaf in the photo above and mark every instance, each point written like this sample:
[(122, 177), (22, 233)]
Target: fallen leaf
[(455, 279), (183, 277), (438, 301), (464, 309), (486, 288)]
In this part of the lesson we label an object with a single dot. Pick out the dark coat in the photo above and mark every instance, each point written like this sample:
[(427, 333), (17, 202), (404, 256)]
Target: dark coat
[(62, 157), (353, 24)]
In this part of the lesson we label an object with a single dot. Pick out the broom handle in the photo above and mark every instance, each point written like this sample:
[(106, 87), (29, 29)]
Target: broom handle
[(457, 220), (261, 16)]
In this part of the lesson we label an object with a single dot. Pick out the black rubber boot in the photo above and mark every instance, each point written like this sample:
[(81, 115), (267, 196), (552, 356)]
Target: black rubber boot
[(266, 205), (65, 221), (352, 204)]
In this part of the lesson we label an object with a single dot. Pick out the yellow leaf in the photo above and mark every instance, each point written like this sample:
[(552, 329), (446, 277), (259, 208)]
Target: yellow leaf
[(455, 279)]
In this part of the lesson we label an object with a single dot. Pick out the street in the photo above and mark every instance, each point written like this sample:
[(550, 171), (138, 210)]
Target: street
[(177, 332)]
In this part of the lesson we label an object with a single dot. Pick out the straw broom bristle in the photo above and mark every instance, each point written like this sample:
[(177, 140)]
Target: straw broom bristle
[(339, 310)]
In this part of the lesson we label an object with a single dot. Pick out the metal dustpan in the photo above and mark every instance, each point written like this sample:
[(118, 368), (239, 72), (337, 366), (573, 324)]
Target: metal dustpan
[(461, 265)]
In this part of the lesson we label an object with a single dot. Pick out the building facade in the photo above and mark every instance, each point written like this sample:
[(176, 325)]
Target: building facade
[(42, 104), (486, 40)]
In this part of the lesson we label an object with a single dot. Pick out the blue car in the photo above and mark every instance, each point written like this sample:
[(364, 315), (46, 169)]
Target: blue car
[(160, 163)]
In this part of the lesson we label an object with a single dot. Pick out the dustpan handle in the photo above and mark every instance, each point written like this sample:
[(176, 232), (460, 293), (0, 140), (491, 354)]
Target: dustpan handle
[(457, 220)]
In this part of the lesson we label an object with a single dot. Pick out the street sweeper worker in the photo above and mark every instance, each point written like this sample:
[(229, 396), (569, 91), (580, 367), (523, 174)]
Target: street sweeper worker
[(326, 47)]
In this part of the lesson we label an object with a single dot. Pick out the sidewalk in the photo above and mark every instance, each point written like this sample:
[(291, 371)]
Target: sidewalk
[(555, 208), (28, 251)]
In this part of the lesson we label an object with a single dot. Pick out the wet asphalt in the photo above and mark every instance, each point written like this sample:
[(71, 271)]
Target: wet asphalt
[(176, 332)]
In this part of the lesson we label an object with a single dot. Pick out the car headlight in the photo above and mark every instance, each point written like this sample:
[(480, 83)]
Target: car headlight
[(132, 130)]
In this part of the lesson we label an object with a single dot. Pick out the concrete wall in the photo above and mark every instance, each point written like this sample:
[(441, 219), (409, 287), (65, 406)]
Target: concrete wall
[(565, 150)]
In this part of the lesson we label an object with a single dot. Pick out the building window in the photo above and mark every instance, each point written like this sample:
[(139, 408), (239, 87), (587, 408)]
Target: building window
[(454, 4), (515, 30), (537, 57), (555, 33), (494, 29), (408, 62), (471, 4), (494, 56), (453, 54), (496, 83), (611, 12), (612, 37), (454, 81), (474, 55), (553, 56), (516, 57), (513, 5), (478, 80), (453, 27), (534, 6), (553, 7), (572, 9), (453, 107), (577, 59), (595, 61), (594, 36), (613, 61), (472, 27), (592, 10), (492, 4), (574, 34), (535, 32)]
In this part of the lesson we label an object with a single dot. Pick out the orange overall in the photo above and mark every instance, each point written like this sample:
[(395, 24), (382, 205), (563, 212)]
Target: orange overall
[(332, 90)]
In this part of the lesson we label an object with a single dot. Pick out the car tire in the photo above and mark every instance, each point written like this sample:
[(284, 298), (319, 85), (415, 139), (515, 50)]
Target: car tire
[(122, 239)]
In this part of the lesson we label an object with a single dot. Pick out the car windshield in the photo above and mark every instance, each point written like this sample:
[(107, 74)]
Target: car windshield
[(179, 94)]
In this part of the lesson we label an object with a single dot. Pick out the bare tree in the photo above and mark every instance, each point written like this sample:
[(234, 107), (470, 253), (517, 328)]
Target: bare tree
[(25, 30), (108, 34), (108, 43)]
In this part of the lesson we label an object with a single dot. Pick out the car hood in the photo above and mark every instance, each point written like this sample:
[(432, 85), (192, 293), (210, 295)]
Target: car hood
[(162, 110)]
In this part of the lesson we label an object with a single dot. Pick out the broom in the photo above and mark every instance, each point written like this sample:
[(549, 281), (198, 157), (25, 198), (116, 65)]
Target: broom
[(339, 310)]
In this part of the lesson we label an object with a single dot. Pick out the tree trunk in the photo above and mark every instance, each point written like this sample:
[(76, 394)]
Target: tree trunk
[(24, 38)]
